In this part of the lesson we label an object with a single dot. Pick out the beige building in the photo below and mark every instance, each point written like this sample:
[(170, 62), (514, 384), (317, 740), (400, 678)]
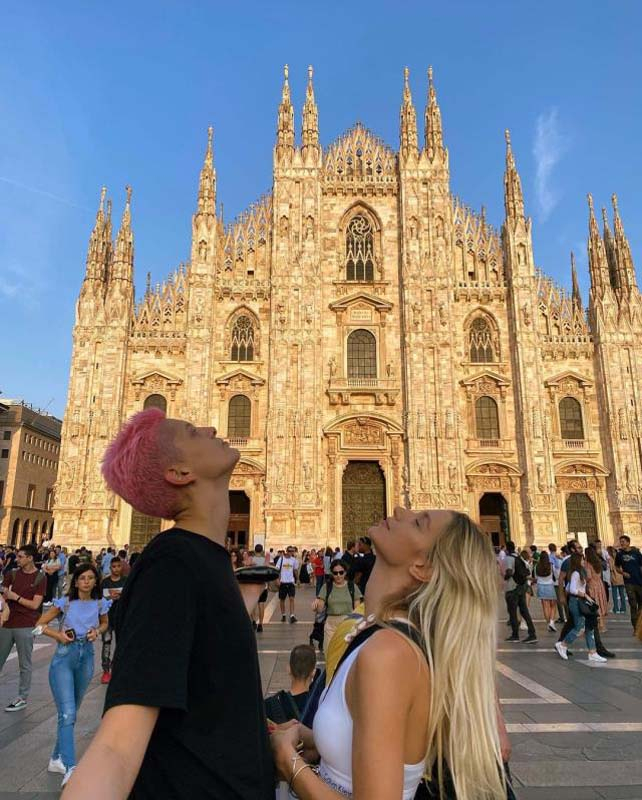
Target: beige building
[(29, 454), (366, 340)]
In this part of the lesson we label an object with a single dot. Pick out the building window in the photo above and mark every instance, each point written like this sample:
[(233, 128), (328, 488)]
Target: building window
[(5, 454), (156, 401), (242, 340), (487, 418), (6, 435), (31, 495), (481, 342), (359, 250), (1, 491), (571, 425), (239, 417), (49, 500), (362, 355)]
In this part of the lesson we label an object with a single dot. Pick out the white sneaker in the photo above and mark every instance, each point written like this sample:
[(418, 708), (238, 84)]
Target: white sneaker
[(523, 626), (561, 650), (596, 657), (551, 627), (68, 775), (56, 765)]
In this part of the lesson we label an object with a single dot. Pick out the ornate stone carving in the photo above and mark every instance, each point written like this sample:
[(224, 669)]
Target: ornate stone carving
[(362, 431)]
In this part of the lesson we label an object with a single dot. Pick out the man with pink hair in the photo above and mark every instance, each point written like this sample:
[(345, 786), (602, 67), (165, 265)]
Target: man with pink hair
[(184, 711)]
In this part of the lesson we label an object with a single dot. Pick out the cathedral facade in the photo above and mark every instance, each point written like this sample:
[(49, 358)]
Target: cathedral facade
[(366, 340)]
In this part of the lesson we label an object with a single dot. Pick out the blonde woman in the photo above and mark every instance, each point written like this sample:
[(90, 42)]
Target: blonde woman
[(419, 693)]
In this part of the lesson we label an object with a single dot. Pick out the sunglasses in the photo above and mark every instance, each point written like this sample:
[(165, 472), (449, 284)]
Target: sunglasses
[(339, 572)]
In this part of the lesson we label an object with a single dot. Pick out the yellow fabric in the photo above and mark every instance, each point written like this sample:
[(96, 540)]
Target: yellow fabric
[(337, 646)]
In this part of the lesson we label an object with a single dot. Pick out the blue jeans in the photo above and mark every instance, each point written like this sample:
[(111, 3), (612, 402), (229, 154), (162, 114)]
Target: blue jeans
[(619, 599), (578, 624), (70, 672)]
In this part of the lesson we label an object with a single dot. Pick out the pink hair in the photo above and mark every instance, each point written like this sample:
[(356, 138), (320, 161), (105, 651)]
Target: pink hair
[(135, 462)]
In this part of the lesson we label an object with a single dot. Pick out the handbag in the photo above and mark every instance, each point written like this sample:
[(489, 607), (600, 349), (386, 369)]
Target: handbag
[(587, 607)]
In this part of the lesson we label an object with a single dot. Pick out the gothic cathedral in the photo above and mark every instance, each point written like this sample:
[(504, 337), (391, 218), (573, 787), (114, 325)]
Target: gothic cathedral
[(365, 340)]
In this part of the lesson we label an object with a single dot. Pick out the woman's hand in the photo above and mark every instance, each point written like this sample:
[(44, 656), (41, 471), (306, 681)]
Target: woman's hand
[(92, 635), (317, 605), (284, 740), (62, 637)]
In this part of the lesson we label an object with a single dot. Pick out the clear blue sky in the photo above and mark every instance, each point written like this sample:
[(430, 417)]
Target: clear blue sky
[(114, 93)]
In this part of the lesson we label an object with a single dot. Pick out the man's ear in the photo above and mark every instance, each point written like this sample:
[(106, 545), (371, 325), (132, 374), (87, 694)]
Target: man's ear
[(179, 476), (421, 571)]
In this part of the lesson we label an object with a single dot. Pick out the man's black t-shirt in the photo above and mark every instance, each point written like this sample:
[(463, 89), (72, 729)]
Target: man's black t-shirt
[(186, 646), (363, 567)]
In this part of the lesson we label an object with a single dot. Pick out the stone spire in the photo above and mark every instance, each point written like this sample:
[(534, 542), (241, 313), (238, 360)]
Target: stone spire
[(123, 265), (577, 296), (434, 137), (407, 120), (598, 264), (310, 128), (609, 247), (97, 250), (624, 261), (207, 180), (285, 126), (513, 197)]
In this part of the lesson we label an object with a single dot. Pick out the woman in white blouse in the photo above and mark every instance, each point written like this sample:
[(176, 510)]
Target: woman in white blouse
[(577, 592)]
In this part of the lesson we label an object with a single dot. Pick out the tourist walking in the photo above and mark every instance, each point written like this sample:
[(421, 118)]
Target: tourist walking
[(618, 591), (364, 564), (184, 715), (595, 585), (23, 591), (260, 558), (584, 618), (288, 567), (560, 591), (393, 707), (112, 587), (51, 568), (629, 559), (319, 571), (337, 598), (545, 587), (516, 576), (84, 616)]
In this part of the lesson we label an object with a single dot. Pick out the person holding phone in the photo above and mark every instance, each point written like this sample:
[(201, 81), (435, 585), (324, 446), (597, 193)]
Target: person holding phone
[(84, 616), (111, 586)]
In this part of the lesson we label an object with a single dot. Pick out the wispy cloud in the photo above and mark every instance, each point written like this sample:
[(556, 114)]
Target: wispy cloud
[(549, 146), (42, 192), (21, 286)]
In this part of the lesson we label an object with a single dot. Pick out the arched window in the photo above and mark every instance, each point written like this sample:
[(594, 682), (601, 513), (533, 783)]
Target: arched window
[(481, 342), (156, 401), (359, 250), (26, 527), (242, 339), (362, 355), (571, 425), (486, 418), (44, 530), (34, 533), (15, 532), (239, 417)]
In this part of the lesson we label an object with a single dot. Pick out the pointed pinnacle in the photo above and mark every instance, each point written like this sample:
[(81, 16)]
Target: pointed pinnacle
[(614, 203), (103, 192), (589, 197), (430, 75), (605, 218), (128, 191), (507, 137), (310, 73), (109, 208)]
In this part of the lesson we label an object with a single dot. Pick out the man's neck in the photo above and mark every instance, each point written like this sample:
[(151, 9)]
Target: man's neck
[(29, 568), (299, 686), (209, 511)]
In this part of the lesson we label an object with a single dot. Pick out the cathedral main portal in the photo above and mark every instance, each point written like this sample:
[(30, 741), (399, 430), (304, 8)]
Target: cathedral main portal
[(363, 498)]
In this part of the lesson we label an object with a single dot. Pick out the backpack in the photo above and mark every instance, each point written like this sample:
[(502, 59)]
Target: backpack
[(521, 572), (330, 586)]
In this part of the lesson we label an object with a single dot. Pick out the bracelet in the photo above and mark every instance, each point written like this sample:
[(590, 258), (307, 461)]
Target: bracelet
[(296, 775)]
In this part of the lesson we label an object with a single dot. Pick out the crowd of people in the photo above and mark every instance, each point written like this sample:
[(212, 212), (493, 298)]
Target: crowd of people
[(577, 588), (80, 593), (184, 710)]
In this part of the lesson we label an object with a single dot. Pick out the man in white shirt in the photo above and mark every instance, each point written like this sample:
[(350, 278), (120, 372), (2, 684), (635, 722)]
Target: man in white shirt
[(288, 568)]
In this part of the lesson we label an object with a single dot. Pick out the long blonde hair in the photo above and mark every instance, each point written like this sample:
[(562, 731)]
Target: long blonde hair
[(456, 613)]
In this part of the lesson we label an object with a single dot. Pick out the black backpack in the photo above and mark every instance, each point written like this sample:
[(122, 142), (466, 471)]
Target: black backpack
[(329, 584), (521, 572)]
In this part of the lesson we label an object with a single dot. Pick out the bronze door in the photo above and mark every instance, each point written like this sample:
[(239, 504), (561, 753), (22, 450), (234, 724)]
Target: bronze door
[(580, 515), (143, 530), (363, 497)]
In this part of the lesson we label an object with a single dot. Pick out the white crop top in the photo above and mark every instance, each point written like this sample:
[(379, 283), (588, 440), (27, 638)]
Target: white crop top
[(333, 738)]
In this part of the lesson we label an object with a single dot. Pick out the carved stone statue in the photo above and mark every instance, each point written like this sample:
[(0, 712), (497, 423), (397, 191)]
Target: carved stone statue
[(443, 316), (332, 364), (541, 481), (307, 475), (621, 415), (452, 477)]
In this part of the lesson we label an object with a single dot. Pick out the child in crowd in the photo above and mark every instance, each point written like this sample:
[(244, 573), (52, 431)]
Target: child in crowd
[(303, 664)]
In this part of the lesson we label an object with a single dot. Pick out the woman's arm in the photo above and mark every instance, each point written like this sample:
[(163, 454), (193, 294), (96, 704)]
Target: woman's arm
[(47, 616)]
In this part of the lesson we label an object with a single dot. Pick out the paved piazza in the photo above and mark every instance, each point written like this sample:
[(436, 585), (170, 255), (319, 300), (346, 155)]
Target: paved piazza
[(576, 729)]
